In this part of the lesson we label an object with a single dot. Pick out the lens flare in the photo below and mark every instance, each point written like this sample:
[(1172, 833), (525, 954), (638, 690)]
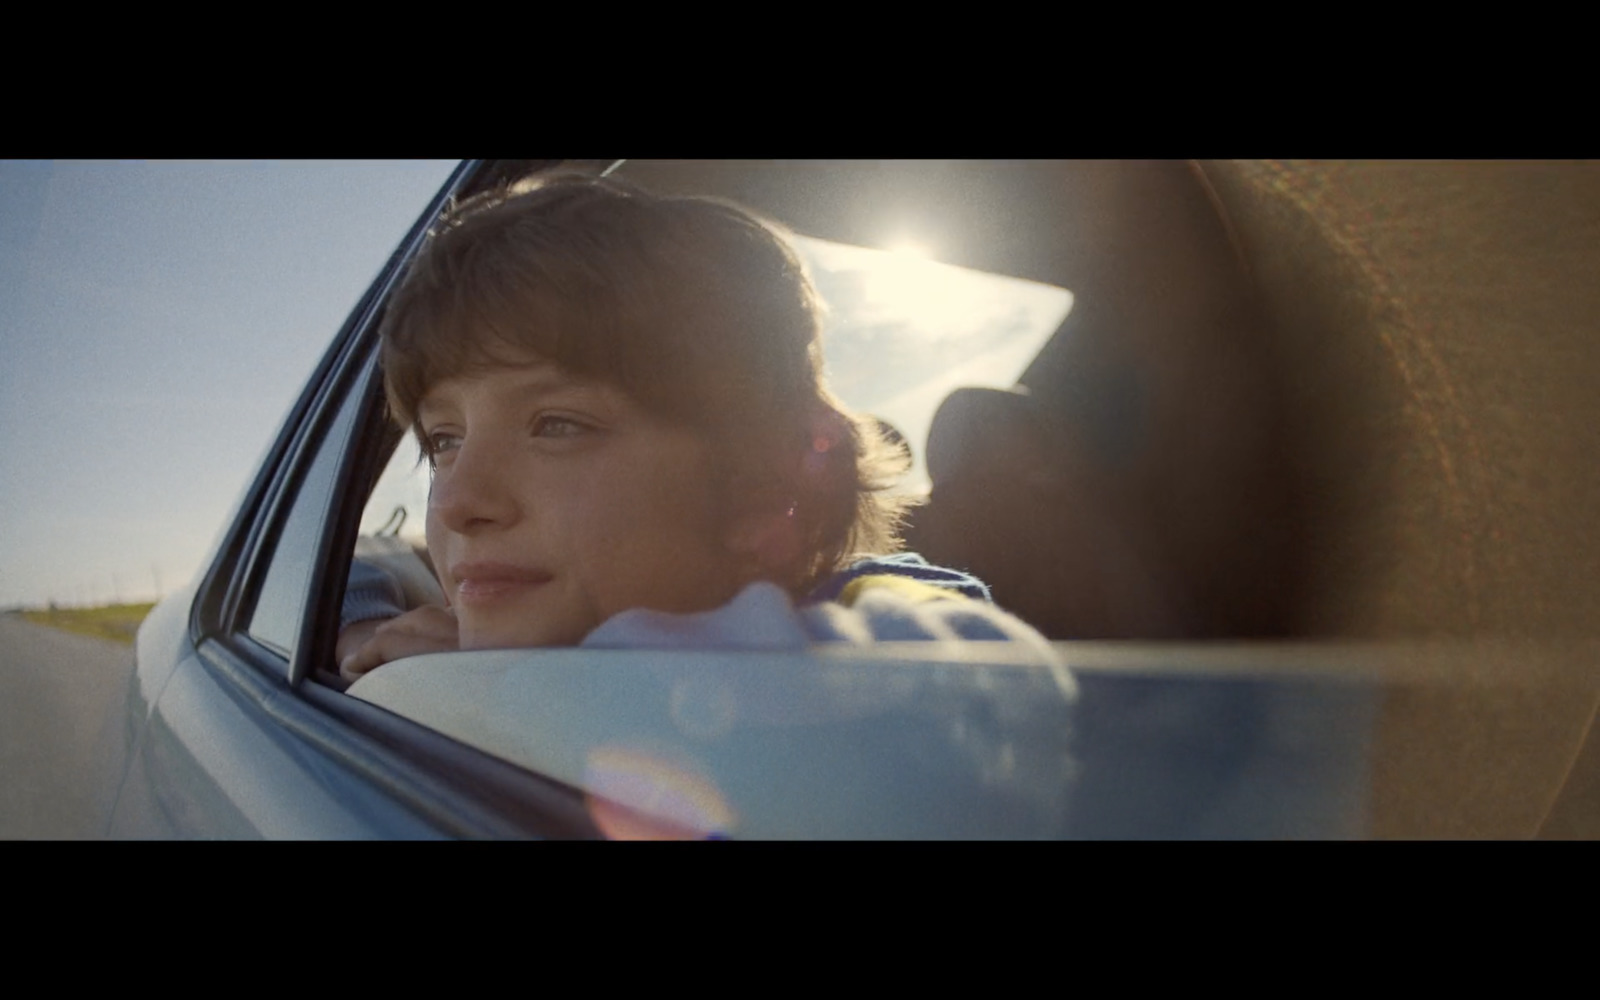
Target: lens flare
[(633, 795)]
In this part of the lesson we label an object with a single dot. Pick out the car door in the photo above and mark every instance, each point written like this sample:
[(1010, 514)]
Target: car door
[(225, 735)]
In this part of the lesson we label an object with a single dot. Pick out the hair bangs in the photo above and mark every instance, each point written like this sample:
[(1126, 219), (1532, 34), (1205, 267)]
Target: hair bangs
[(469, 306)]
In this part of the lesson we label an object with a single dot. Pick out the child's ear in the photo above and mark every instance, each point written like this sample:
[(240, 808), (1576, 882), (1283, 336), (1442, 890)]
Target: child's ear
[(769, 540)]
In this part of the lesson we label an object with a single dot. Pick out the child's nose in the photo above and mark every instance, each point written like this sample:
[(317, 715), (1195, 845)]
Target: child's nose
[(470, 493)]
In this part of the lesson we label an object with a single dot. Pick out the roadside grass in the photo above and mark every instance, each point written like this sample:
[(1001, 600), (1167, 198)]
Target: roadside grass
[(117, 622)]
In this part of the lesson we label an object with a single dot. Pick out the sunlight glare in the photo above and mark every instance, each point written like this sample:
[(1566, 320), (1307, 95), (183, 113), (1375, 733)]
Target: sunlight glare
[(905, 330), (910, 248)]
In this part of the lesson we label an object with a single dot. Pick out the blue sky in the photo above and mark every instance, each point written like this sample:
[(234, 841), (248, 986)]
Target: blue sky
[(157, 320)]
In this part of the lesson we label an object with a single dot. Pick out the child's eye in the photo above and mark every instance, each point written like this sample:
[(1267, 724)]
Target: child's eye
[(438, 443), (551, 425)]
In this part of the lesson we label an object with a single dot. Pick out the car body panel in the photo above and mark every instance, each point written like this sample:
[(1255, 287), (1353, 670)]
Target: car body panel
[(207, 760)]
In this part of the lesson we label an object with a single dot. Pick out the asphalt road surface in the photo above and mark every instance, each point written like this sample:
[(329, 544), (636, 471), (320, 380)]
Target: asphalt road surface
[(59, 695)]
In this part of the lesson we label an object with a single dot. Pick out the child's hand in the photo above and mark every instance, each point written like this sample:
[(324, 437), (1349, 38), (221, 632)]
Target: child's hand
[(428, 629)]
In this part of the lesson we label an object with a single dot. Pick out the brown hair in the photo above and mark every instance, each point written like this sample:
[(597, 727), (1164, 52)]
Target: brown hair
[(698, 309)]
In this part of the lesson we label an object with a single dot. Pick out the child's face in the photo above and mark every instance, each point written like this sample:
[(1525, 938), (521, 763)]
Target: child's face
[(558, 502)]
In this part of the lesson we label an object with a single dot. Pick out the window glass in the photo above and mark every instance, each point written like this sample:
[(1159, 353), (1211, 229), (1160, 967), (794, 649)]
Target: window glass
[(393, 535), (398, 506), (903, 331), (283, 597)]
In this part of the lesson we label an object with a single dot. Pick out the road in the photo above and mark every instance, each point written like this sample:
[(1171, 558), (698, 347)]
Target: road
[(59, 698)]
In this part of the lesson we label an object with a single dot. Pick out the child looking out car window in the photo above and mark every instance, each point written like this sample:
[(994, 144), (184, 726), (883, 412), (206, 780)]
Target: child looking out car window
[(621, 399)]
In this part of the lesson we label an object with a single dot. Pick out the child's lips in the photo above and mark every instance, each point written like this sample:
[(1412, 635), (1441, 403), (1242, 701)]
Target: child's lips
[(487, 583)]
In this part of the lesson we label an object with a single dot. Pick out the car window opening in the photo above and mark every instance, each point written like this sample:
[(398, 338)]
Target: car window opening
[(902, 333)]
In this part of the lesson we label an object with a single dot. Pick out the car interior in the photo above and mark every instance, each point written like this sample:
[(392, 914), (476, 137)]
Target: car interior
[(1265, 441)]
